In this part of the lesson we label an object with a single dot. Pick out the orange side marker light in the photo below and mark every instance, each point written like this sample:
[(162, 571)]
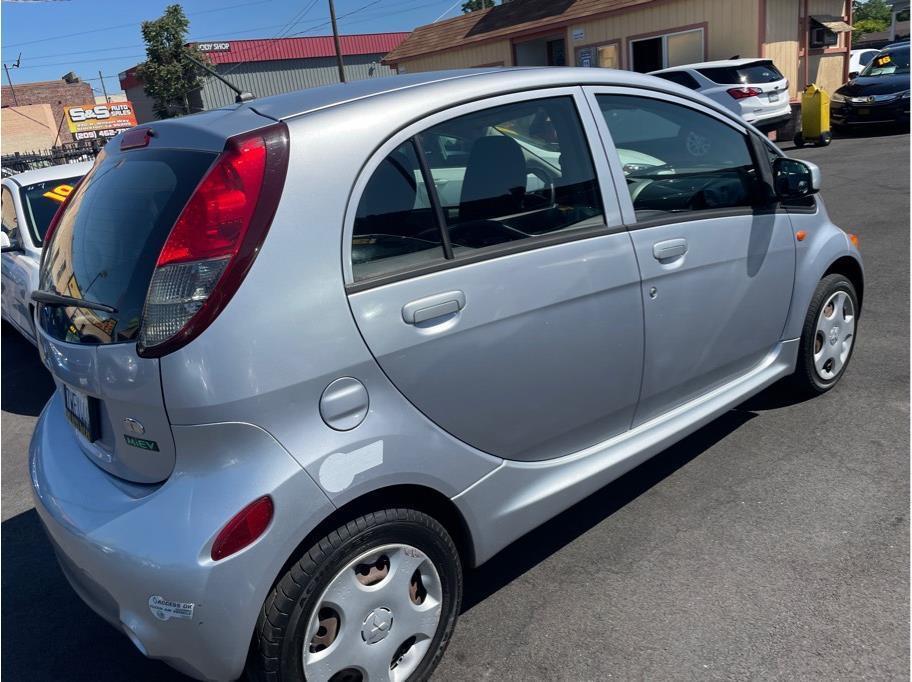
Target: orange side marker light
[(800, 235), (854, 239)]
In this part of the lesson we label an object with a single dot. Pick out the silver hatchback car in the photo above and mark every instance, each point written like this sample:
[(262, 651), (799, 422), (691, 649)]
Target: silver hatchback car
[(316, 355)]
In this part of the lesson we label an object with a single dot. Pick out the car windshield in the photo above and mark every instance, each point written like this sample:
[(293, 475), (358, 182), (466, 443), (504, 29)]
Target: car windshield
[(41, 201), (888, 63)]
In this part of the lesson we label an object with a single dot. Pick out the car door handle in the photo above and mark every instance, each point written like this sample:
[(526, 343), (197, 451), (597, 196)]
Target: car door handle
[(428, 308), (670, 248)]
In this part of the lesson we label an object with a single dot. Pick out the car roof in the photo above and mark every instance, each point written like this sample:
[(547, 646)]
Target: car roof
[(66, 170), (719, 63), (451, 86)]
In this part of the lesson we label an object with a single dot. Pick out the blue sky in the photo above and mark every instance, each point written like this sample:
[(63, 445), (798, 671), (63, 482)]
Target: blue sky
[(107, 31)]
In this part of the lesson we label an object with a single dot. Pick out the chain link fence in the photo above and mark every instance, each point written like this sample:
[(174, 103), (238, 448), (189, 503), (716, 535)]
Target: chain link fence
[(55, 156)]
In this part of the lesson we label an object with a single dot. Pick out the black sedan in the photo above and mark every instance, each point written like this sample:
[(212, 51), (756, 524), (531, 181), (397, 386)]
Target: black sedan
[(880, 93)]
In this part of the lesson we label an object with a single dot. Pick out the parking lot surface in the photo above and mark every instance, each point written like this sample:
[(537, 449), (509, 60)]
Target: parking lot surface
[(772, 543)]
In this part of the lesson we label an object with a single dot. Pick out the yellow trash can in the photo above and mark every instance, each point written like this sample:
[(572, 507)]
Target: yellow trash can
[(815, 118)]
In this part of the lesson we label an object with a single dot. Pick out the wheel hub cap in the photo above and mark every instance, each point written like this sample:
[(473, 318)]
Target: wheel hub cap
[(834, 336), (377, 625)]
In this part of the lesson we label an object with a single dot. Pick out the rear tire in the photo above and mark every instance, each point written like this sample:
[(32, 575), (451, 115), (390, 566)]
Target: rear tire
[(315, 606), (828, 336), (799, 140)]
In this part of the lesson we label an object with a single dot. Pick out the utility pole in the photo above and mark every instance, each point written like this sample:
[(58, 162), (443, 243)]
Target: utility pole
[(332, 16), (103, 89), (10, 80)]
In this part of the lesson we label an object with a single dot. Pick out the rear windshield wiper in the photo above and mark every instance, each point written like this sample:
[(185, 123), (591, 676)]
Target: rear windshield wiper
[(53, 298)]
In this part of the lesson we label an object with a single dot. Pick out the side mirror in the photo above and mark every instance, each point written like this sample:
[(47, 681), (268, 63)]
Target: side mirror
[(853, 74), (795, 179)]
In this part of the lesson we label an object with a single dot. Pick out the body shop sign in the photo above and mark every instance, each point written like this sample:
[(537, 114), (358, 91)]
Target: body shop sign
[(100, 120)]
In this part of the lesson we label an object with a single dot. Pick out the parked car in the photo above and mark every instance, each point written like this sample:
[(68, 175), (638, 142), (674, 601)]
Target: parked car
[(858, 59), (29, 201), (754, 89), (311, 385), (879, 95)]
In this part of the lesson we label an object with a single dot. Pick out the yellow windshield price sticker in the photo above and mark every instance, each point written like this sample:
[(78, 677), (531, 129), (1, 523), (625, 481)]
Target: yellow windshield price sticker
[(59, 193), (886, 59)]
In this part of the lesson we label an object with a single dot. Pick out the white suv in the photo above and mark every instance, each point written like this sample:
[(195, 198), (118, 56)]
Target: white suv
[(752, 88)]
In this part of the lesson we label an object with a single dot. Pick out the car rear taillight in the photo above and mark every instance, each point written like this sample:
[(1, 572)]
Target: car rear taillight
[(243, 529), (214, 241), (742, 93)]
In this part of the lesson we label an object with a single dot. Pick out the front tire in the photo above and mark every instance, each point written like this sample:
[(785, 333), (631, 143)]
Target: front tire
[(375, 599), (828, 336)]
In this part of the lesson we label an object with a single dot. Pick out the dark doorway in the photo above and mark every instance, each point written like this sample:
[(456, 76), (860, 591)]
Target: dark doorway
[(647, 55)]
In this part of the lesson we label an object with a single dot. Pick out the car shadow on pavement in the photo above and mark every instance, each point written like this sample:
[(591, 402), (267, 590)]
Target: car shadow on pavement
[(25, 383), (536, 546), (48, 633)]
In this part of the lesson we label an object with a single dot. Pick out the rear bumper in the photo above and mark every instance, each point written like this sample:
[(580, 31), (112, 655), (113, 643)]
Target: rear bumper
[(121, 545), (847, 113)]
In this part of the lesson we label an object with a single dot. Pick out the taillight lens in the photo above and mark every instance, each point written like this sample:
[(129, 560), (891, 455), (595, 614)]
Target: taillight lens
[(245, 527), (214, 241), (742, 93)]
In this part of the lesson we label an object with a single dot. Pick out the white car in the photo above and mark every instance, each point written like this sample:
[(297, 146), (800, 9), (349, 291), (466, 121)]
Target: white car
[(859, 59), (752, 88), (29, 202)]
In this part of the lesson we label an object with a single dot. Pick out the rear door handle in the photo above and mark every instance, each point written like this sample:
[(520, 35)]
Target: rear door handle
[(670, 248), (428, 308)]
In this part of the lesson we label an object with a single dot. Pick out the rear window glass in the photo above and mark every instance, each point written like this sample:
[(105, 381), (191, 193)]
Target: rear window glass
[(681, 78), (105, 248), (748, 74), (41, 201)]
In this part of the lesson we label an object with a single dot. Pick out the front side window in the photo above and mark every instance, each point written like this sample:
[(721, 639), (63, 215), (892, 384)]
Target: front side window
[(498, 176), (677, 160)]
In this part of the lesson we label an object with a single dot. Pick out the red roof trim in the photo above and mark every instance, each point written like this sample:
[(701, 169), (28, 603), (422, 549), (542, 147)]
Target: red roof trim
[(270, 49)]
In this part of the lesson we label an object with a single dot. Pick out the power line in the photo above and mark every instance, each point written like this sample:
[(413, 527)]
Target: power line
[(133, 23)]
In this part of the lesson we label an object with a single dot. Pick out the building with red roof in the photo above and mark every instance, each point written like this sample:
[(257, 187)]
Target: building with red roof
[(272, 66)]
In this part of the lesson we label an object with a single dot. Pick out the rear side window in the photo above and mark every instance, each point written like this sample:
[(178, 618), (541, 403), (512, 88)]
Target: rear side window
[(866, 57), (395, 228), (496, 176), (748, 74), (692, 162), (108, 241), (681, 78)]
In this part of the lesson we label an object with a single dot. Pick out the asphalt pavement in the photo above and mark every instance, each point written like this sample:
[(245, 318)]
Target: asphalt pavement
[(771, 544)]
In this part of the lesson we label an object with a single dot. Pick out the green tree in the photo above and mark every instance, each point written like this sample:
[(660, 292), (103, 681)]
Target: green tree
[(877, 10), (472, 5), (167, 75)]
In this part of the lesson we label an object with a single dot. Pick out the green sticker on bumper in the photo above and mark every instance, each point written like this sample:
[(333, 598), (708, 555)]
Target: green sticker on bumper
[(141, 443)]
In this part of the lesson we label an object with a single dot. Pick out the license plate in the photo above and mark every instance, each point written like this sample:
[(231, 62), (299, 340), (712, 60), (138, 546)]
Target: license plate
[(82, 411), (774, 97), (863, 112)]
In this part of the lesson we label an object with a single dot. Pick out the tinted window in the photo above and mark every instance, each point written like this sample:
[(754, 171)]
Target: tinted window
[(41, 201), (888, 62), (689, 162), (500, 175), (395, 228), (866, 57), (525, 171), (681, 78), (107, 242), (758, 72)]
